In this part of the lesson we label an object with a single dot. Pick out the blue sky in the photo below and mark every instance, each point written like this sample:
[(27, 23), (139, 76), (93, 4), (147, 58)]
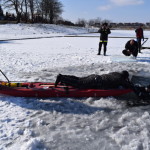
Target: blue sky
[(113, 10)]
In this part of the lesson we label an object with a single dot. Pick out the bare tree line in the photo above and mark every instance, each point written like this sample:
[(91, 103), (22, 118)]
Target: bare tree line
[(49, 11), (92, 22), (33, 10)]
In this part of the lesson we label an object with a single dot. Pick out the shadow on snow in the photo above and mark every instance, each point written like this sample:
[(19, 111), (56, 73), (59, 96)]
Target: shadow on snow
[(144, 59), (63, 105), (5, 42)]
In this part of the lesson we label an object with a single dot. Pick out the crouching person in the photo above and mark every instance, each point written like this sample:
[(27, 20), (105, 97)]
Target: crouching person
[(131, 48)]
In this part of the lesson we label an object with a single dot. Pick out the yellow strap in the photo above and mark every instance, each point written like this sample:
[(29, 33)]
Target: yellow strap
[(11, 84), (103, 41)]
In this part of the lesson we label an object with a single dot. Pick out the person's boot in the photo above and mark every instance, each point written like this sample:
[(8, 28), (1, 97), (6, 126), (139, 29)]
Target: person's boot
[(58, 79), (69, 80), (104, 53), (99, 52), (139, 49)]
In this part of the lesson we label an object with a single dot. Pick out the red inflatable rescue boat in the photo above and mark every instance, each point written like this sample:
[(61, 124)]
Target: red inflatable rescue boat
[(40, 89)]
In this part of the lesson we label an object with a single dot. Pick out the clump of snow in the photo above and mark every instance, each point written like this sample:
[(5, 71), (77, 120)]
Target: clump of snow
[(33, 144)]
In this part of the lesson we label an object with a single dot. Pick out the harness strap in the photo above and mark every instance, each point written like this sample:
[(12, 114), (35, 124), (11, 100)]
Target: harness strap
[(103, 41)]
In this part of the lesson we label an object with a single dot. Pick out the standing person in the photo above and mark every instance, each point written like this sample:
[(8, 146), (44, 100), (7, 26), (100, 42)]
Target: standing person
[(139, 37), (131, 48), (104, 31)]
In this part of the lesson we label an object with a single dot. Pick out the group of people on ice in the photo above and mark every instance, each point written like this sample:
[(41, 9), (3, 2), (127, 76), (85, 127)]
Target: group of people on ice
[(112, 80), (132, 47)]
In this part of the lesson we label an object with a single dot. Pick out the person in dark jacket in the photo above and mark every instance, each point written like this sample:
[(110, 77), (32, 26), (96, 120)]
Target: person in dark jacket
[(131, 48), (113, 80), (104, 31), (139, 37), (105, 81)]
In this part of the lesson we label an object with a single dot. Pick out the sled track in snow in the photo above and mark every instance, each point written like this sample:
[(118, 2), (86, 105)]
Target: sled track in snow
[(69, 36)]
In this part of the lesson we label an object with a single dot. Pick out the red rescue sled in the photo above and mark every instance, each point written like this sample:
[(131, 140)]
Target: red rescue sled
[(40, 89)]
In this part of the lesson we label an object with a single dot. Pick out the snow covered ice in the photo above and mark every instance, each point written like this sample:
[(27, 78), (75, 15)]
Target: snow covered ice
[(68, 123)]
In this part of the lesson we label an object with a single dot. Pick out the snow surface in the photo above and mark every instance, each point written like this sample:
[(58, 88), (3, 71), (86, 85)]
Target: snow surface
[(68, 123)]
